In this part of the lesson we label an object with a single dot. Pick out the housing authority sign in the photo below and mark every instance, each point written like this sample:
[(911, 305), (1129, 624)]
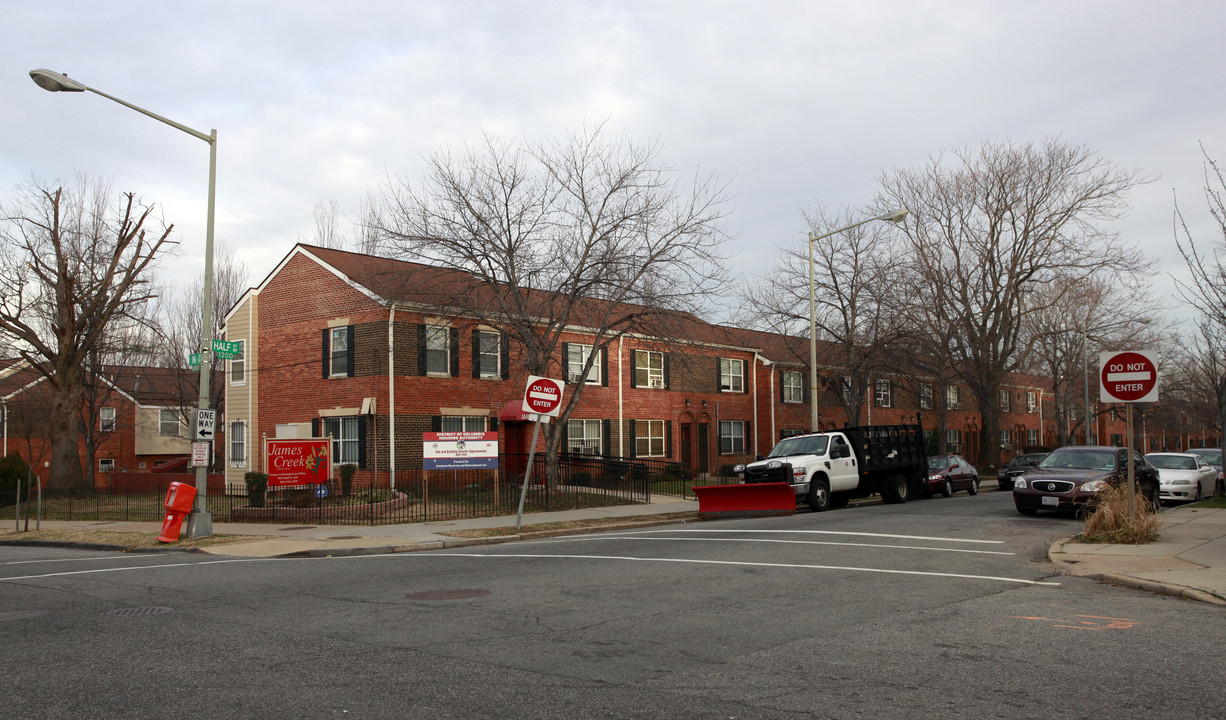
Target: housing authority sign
[(460, 450)]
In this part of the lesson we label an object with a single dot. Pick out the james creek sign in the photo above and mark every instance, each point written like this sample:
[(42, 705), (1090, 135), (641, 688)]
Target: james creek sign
[(298, 462)]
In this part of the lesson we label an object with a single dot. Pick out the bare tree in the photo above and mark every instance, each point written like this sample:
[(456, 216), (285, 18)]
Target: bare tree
[(994, 225), (582, 232), (73, 265)]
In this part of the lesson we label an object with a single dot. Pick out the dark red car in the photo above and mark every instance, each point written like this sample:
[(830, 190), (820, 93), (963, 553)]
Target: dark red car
[(1069, 478), (950, 473)]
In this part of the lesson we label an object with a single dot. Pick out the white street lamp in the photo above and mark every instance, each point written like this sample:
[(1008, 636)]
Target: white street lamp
[(814, 412), (1085, 361), (200, 522)]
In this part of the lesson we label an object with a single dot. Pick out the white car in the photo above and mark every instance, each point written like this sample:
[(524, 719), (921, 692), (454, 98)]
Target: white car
[(1183, 476)]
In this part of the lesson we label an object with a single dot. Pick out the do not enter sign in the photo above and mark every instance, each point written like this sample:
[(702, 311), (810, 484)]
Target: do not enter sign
[(543, 396), (1130, 376)]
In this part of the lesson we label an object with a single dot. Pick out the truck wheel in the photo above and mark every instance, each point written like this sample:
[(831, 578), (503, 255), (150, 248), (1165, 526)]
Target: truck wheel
[(819, 495), (947, 490), (896, 489)]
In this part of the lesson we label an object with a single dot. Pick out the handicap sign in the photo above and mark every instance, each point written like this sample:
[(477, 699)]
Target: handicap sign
[(321, 491)]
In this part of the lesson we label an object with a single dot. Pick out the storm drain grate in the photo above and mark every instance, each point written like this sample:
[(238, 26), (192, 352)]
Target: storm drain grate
[(457, 594), (129, 612), (345, 537), (21, 614)]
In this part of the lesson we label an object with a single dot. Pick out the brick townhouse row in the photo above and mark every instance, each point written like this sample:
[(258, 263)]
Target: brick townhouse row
[(360, 348)]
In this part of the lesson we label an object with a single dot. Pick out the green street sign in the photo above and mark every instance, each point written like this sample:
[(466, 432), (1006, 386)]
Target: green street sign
[(233, 349), (193, 360), (223, 355)]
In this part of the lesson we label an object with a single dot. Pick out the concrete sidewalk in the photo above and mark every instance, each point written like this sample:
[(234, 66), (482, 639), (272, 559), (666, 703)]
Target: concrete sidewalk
[(1188, 559)]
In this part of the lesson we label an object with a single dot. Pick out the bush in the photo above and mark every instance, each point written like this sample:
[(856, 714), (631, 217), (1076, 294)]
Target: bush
[(582, 479), (346, 472), (13, 470), (257, 488), (1110, 521)]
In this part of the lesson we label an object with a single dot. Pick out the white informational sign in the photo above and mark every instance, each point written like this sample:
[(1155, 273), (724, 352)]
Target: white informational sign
[(206, 421), (543, 396), (200, 454), (460, 450), (1129, 376)]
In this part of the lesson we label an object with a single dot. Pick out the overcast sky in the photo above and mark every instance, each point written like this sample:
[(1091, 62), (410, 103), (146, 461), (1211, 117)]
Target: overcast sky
[(795, 104)]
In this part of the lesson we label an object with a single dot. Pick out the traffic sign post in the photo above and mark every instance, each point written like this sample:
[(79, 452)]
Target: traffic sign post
[(543, 399), (1128, 377)]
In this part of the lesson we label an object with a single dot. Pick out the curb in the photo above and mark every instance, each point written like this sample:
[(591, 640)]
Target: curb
[(1064, 567)]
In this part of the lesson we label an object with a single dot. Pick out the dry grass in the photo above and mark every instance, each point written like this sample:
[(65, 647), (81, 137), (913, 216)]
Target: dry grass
[(1111, 523), (127, 540)]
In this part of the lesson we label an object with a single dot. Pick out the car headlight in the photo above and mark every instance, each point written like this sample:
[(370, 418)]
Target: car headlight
[(1019, 483), (934, 477), (1094, 485), (738, 468)]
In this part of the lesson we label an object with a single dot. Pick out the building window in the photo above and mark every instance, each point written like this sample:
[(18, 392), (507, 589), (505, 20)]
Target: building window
[(846, 384), (168, 422), (883, 394), (793, 386), (106, 464), (1032, 402), (583, 437), (731, 437), (238, 366), (649, 370), (106, 419), (462, 423), (438, 348), (731, 375), (576, 358), (344, 433), (953, 397), (238, 443), (1117, 440), (339, 351), (1006, 439), (926, 397), (953, 440), (487, 353), (649, 438), (1032, 437), (784, 434)]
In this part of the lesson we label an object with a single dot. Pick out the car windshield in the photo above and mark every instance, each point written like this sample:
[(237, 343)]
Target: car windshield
[(801, 445), (1171, 462), (940, 462), (1213, 457), (1080, 460), (1022, 460)]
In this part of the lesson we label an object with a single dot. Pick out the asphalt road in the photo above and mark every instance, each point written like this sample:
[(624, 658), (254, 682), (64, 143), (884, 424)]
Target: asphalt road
[(942, 608)]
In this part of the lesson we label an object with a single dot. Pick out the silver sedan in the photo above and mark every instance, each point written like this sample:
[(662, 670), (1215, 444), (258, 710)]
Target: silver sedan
[(1183, 477)]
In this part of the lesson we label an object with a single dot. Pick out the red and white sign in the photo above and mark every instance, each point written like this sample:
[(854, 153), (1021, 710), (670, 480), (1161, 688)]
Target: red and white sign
[(1130, 376), (543, 396), (200, 454), (298, 462)]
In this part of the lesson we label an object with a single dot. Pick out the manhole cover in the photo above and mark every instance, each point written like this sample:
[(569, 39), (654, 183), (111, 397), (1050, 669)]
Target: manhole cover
[(458, 594), (345, 537), (299, 527), (21, 614), (127, 612)]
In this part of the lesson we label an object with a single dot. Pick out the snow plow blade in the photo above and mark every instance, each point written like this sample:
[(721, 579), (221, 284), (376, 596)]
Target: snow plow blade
[(749, 500)]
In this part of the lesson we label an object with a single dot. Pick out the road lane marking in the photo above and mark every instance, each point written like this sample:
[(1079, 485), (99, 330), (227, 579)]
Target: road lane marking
[(589, 538), (738, 563), (68, 573), (809, 532)]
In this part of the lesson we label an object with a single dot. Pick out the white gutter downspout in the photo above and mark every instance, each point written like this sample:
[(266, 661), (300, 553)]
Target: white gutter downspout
[(621, 434), (765, 363), (391, 396)]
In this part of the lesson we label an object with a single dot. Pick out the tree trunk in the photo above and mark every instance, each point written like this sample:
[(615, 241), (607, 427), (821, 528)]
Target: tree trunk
[(66, 476)]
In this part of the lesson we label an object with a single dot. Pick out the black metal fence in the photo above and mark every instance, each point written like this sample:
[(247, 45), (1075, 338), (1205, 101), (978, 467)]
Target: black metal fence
[(577, 481)]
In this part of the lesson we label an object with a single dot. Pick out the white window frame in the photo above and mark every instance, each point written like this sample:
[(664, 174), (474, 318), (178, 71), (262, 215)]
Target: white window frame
[(731, 437), (164, 420), (577, 355), (483, 355), (793, 386), (845, 387), (238, 366), (652, 376), (106, 464), (338, 351), (106, 424), (731, 375), (927, 398), (953, 397), (1032, 436), (883, 394), (462, 423), (345, 438), (1006, 439), (436, 334), (584, 435), (236, 437), (649, 438), (1032, 401), (953, 440), (1006, 401)]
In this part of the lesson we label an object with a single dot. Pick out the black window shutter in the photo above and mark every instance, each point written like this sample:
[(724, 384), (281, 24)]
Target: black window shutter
[(668, 438), (504, 345), (349, 344), (455, 352), (604, 367), (565, 437), (606, 440), (494, 424), (326, 351), (633, 441), (634, 368), (314, 427), (745, 377), (436, 423), (476, 353), (362, 443), (666, 384), (421, 349), (719, 375), (566, 363), (748, 435)]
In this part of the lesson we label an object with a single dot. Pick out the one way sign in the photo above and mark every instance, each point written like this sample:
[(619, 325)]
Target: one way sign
[(206, 421)]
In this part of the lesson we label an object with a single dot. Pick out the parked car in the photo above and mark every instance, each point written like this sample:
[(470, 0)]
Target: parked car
[(1069, 479), (949, 473), (1214, 457), (1185, 477), (1017, 466)]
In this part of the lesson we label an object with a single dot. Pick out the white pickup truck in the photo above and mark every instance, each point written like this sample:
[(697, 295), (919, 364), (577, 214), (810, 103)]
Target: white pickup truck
[(828, 469)]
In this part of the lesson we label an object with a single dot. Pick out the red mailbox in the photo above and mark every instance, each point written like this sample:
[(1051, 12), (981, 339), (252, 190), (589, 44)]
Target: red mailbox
[(179, 500)]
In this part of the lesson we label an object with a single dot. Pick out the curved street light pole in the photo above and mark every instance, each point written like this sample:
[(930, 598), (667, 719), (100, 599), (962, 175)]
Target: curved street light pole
[(814, 411), (199, 522)]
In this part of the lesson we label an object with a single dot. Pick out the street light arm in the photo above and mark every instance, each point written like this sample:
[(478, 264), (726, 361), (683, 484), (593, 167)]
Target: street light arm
[(52, 81), (894, 217)]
